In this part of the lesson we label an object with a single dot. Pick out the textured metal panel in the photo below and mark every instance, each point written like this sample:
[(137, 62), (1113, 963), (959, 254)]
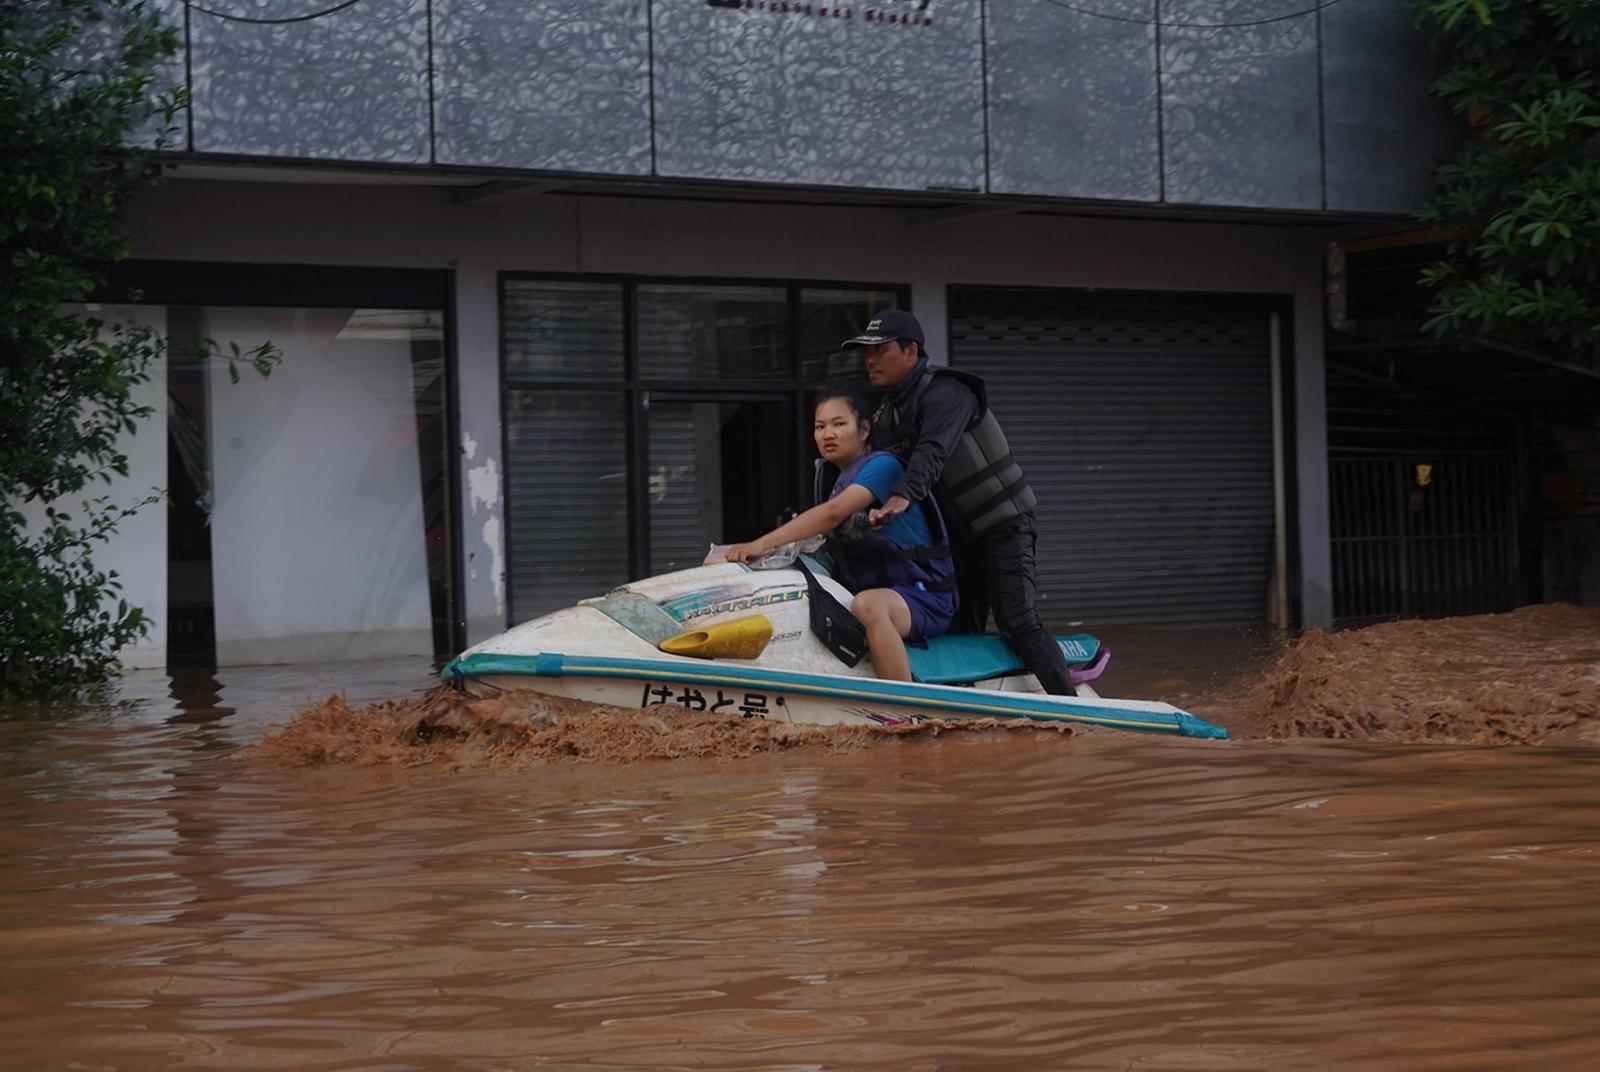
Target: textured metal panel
[(560, 85), (786, 92), (1384, 133), (169, 78), (1239, 105), (1072, 101), (352, 85), (99, 52), (1151, 453)]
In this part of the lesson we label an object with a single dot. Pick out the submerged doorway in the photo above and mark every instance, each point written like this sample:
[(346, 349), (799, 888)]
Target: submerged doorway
[(321, 487), (309, 515)]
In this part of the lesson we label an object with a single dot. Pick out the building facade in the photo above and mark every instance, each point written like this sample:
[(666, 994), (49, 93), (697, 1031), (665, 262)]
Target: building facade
[(552, 283)]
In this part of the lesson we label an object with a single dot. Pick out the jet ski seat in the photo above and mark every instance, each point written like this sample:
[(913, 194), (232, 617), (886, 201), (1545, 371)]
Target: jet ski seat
[(963, 658)]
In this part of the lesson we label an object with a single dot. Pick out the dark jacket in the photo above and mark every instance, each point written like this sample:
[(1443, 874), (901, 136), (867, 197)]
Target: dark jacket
[(939, 424)]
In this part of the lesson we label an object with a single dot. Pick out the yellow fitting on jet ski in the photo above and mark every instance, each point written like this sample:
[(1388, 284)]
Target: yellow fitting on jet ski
[(745, 638)]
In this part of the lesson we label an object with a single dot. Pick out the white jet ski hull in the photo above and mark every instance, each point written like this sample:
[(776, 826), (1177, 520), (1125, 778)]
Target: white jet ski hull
[(605, 650)]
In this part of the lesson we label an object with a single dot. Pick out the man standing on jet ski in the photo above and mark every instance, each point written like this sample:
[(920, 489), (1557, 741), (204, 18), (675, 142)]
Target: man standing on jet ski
[(937, 420)]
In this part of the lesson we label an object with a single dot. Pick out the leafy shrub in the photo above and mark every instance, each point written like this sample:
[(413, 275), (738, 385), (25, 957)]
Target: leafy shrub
[(77, 83), (1522, 198)]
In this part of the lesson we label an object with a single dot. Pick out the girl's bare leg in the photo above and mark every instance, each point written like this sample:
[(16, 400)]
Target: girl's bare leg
[(888, 622)]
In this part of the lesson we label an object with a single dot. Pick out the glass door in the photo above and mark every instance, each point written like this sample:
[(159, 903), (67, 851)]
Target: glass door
[(719, 471), (310, 515)]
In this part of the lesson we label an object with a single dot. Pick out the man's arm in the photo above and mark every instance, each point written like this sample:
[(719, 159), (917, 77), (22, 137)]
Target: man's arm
[(947, 408)]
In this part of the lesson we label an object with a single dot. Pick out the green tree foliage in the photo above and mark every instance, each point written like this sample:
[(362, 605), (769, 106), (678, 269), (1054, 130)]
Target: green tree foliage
[(1522, 199), (77, 86)]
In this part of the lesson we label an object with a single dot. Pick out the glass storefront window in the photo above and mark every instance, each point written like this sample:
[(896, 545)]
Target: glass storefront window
[(652, 445), (714, 333), (827, 318), (557, 330), (309, 515)]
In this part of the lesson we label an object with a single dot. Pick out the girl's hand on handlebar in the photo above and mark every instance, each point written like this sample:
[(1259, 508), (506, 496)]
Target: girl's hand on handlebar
[(742, 552)]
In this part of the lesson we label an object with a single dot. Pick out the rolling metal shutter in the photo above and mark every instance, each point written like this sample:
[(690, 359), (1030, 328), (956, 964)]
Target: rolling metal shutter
[(667, 347), (567, 501), (1144, 424), (681, 526), (566, 442)]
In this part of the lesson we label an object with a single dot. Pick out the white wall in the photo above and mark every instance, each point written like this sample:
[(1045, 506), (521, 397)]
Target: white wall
[(138, 552), (316, 535), (422, 228)]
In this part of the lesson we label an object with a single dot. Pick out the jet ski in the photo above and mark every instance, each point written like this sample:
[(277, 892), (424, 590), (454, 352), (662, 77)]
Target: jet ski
[(757, 643)]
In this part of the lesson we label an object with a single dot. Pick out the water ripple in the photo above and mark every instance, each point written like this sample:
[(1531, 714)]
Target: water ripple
[(955, 903)]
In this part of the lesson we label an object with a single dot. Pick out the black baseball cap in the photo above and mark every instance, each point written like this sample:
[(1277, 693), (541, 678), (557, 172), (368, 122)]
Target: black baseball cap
[(887, 326)]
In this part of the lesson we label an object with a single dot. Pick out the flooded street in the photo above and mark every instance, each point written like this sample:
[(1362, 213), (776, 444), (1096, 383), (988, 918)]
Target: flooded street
[(1027, 900)]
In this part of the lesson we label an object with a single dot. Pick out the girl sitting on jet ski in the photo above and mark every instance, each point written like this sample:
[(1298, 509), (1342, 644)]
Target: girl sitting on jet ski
[(902, 573)]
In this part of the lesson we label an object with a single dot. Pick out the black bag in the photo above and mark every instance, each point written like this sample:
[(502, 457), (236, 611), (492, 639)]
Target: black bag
[(839, 630)]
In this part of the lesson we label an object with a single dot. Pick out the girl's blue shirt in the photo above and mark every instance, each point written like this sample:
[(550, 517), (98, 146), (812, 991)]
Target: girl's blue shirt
[(879, 476)]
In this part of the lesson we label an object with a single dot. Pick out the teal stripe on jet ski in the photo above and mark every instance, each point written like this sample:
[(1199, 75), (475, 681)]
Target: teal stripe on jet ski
[(975, 702)]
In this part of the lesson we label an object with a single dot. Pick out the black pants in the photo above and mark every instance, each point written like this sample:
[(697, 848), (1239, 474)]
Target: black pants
[(994, 571)]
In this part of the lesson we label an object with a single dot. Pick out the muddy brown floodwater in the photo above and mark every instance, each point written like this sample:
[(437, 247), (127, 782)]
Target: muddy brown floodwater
[(194, 879)]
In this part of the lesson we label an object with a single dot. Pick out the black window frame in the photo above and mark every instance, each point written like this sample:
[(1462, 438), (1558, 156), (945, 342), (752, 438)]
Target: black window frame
[(637, 390)]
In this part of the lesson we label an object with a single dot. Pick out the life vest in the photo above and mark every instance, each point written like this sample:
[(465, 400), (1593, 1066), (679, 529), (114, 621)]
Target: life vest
[(981, 484), (871, 558)]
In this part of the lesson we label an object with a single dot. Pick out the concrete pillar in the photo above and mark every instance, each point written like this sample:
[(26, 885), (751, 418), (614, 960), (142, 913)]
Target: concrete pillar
[(1310, 410), (479, 465)]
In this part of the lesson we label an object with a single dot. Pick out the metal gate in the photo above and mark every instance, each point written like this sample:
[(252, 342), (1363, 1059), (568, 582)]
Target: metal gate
[(1145, 424), (1423, 535), (1425, 497)]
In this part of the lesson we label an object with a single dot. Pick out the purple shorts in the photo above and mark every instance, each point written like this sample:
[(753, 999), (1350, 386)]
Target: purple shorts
[(931, 612)]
